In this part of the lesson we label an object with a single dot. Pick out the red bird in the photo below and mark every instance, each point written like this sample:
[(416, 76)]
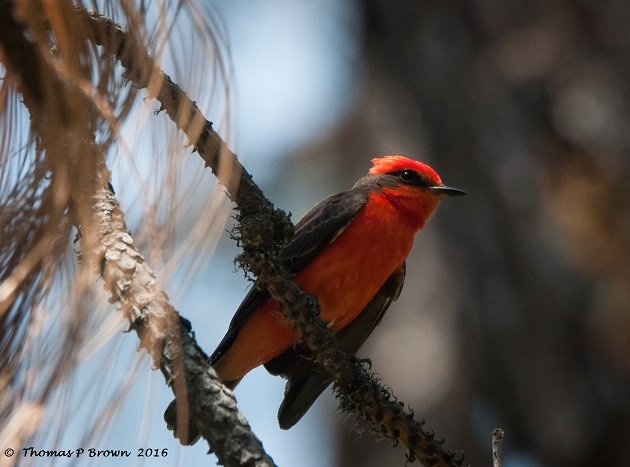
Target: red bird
[(349, 251)]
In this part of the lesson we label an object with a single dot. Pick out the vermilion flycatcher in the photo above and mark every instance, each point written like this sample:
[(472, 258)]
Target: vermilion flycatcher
[(349, 251)]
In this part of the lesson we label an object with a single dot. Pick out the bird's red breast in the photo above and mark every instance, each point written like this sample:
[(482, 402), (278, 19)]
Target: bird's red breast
[(344, 277)]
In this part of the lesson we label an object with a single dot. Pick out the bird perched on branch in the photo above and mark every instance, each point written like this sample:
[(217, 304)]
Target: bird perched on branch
[(349, 251)]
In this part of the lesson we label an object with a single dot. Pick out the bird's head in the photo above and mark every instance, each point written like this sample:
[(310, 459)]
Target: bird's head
[(402, 171), (413, 186)]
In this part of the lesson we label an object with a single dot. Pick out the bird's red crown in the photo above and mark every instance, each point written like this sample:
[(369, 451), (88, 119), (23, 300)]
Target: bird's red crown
[(389, 164)]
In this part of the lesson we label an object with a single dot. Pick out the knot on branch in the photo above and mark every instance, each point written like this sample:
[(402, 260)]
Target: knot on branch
[(261, 235), (255, 233)]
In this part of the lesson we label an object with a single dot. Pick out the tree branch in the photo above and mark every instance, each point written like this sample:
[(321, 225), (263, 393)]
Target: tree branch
[(262, 231), (211, 407), (497, 437)]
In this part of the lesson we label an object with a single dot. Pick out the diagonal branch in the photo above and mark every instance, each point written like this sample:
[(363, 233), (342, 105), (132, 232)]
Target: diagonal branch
[(168, 339), (263, 230)]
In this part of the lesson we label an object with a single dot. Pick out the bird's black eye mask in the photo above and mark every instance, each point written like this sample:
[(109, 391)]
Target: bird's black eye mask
[(405, 177), (411, 177)]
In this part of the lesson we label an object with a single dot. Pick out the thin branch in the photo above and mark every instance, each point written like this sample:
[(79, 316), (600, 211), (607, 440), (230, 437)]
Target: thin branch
[(497, 437), (262, 231)]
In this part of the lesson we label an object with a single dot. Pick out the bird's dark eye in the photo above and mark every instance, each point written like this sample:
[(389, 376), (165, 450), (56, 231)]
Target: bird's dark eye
[(408, 176)]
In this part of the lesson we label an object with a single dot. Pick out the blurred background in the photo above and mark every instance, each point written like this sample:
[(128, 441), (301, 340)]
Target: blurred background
[(516, 308)]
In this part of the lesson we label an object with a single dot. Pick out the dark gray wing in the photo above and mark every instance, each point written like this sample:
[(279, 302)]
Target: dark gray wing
[(306, 380), (313, 233)]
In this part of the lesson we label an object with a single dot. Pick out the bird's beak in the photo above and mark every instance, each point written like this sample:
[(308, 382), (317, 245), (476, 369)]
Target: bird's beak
[(442, 190)]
